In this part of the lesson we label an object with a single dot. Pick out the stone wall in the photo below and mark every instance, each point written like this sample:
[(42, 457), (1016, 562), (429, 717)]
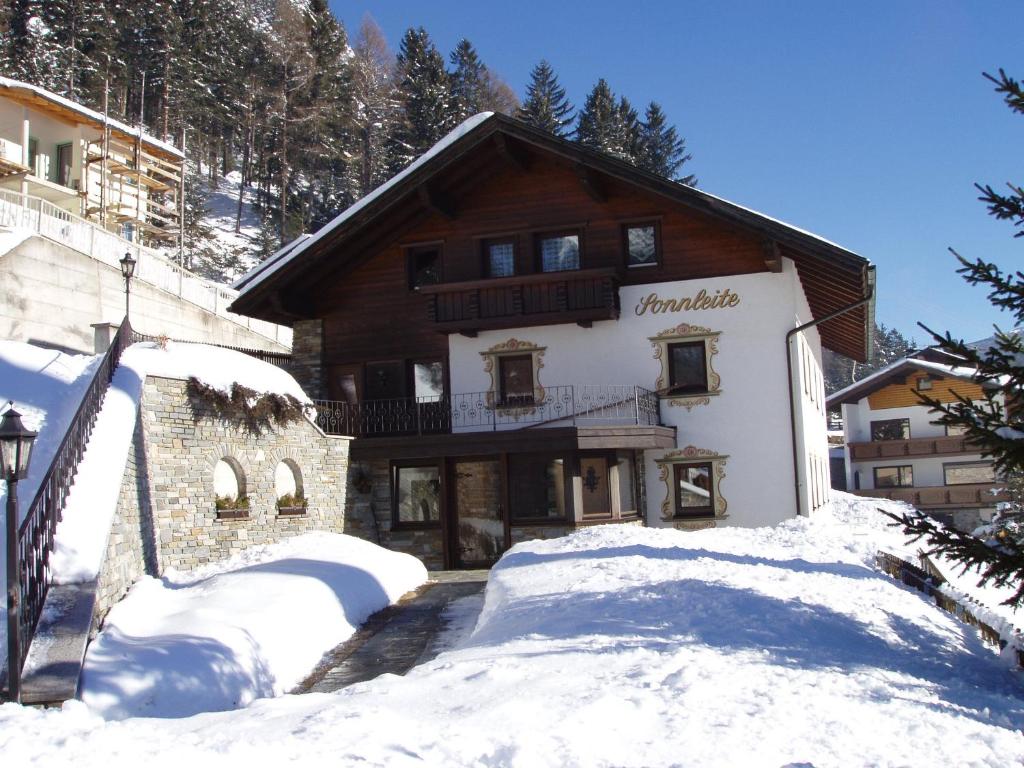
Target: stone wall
[(184, 442), (307, 357)]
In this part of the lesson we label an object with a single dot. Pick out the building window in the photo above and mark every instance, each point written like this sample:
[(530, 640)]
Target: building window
[(687, 377), (515, 380), (641, 241), (924, 383), (559, 252), (693, 479), (514, 367), (64, 165), (687, 368), (536, 487), (500, 258), (890, 429), (894, 477), (955, 430), (968, 472), (424, 266), (416, 494), (695, 496)]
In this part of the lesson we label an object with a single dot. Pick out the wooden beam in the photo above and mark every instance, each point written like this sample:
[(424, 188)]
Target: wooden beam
[(591, 184), (772, 257), (512, 154), (435, 201)]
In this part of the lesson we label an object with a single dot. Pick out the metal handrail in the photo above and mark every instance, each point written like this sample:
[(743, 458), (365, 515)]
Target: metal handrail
[(53, 222), (474, 411), (37, 530)]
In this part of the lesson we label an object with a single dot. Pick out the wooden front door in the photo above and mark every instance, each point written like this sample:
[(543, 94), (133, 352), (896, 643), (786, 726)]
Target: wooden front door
[(478, 532)]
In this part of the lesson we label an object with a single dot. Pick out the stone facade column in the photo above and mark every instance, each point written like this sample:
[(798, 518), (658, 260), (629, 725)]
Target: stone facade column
[(307, 364)]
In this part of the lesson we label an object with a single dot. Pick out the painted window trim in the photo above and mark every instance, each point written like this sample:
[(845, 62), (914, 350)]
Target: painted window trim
[(513, 347), (666, 473), (684, 332)]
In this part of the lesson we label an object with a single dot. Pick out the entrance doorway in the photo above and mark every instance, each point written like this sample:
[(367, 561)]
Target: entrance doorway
[(478, 533)]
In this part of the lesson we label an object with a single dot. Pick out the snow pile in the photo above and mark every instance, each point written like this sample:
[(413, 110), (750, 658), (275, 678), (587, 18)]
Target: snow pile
[(245, 629), (620, 645)]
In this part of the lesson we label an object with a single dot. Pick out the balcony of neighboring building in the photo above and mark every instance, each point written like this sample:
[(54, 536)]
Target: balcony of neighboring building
[(943, 496), (917, 447)]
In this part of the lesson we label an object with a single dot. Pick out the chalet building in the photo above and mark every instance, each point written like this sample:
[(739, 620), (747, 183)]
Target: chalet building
[(896, 450), (524, 336), (62, 156)]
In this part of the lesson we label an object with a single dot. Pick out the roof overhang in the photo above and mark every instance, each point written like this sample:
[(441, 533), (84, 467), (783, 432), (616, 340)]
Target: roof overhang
[(895, 373), (832, 276)]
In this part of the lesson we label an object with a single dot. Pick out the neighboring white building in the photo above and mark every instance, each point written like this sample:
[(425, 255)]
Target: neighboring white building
[(70, 156), (525, 336), (896, 450)]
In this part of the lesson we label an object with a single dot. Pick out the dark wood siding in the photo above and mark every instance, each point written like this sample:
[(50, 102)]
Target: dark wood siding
[(371, 314)]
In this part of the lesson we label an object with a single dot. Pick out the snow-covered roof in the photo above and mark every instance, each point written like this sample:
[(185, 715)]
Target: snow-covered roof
[(262, 271), (89, 114), (877, 379)]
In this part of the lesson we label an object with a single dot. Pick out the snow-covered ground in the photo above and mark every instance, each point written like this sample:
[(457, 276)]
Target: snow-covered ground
[(221, 215), (621, 645), (251, 627)]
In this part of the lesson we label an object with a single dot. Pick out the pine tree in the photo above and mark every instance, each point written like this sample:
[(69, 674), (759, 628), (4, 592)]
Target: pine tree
[(424, 92), (468, 80), (546, 106), (887, 346), (995, 425), (597, 125), (662, 151)]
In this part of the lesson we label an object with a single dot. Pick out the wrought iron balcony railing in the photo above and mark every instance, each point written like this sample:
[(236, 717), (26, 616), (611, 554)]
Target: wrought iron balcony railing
[(478, 411)]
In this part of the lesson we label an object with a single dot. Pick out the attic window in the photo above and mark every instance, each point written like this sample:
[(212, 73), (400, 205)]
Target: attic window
[(641, 241), (424, 266), (924, 383), (559, 252)]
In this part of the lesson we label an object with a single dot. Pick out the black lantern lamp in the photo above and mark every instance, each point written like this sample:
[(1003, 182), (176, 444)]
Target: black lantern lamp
[(15, 453), (15, 445), (127, 270)]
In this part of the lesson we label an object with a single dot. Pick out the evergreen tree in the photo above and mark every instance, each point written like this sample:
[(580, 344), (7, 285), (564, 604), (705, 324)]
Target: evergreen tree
[(598, 123), (997, 428), (32, 52), (887, 346), (469, 81), (546, 106), (424, 92), (662, 151)]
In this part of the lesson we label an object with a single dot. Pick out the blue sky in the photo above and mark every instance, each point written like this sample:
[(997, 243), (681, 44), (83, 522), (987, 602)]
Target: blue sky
[(867, 123)]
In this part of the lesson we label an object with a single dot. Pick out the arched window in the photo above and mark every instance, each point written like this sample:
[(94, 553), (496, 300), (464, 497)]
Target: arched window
[(229, 489), (291, 498)]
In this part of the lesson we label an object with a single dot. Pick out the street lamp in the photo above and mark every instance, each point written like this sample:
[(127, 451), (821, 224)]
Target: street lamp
[(15, 452), (127, 270)]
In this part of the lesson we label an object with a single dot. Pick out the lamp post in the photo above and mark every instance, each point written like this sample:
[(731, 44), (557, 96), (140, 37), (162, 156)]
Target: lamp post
[(15, 452), (127, 270)]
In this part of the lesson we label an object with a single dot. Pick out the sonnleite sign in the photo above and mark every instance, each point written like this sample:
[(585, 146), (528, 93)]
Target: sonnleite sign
[(720, 299)]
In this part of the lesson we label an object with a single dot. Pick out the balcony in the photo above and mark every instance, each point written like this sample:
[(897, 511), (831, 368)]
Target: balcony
[(943, 496), (918, 447), (566, 405), (579, 296)]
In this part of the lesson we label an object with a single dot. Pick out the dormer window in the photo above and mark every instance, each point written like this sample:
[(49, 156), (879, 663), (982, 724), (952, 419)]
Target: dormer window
[(559, 251)]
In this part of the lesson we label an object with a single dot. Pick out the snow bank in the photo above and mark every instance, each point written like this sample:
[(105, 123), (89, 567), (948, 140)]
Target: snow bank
[(249, 628), (620, 645)]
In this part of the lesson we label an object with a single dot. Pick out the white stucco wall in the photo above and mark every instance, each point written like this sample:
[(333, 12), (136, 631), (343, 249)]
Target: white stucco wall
[(749, 421), (927, 471), (857, 420)]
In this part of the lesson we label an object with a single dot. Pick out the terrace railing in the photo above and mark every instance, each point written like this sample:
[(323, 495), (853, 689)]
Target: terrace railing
[(37, 529), (50, 221), (478, 411)]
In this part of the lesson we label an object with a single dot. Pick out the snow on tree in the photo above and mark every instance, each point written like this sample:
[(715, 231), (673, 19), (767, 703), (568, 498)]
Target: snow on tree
[(662, 150), (546, 106), (376, 105)]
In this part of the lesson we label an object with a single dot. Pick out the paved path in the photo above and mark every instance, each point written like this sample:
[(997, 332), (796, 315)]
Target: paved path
[(395, 639)]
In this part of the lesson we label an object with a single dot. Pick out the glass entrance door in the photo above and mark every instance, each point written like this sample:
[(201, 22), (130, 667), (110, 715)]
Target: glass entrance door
[(479, 513)]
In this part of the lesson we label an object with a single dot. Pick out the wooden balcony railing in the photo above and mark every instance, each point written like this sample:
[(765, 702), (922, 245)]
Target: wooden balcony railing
[(943, 445), (939, 496), (579, 296)]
